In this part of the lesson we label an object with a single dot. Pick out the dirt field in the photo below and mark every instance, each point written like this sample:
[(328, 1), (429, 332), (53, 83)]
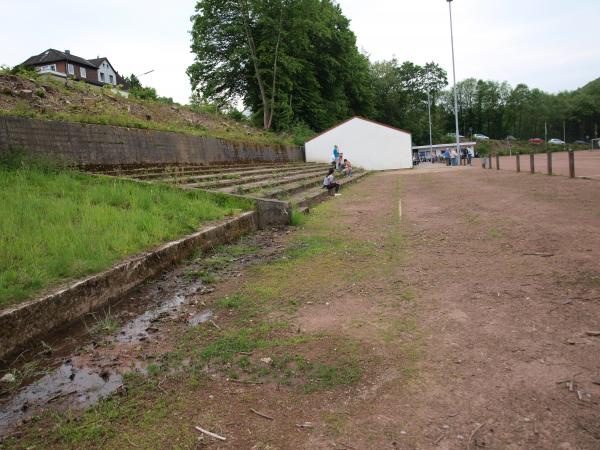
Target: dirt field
[(451, 309), (587, 164)]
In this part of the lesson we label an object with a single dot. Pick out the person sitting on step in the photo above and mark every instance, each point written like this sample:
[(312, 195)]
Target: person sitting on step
[(329, 182), (347, 168)]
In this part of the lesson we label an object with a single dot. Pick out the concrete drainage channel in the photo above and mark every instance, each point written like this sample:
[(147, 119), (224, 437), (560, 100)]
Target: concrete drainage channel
[(275, 189), (84, 364)]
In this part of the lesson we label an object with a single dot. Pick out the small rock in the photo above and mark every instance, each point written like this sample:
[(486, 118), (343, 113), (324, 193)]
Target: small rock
[(445, 427), (402, 432), (8, 378), (266, 360), (460, 436)]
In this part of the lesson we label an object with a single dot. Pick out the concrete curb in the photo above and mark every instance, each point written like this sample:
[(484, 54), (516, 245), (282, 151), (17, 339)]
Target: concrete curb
[(22, 323)]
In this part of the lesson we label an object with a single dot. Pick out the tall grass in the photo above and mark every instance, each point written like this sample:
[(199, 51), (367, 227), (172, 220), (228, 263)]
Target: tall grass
[(58, 224)]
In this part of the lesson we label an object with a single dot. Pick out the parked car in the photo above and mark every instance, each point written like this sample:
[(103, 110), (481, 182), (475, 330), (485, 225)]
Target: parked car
[(511, 138), (536, 141), (556, 142), (480, 137), (580, 142)]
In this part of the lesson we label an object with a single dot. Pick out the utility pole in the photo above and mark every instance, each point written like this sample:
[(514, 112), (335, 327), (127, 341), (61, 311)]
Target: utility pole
[(430, 128), (454, 76)]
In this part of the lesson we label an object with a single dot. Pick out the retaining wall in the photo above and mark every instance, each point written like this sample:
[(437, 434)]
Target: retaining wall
[(103, 145), (22, 323)]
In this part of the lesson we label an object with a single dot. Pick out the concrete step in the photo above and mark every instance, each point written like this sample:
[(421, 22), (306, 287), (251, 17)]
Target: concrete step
[(145, 170), (270, 178), (284, 191), (269, 183), (200, 180), (212, 170), (308, 198)]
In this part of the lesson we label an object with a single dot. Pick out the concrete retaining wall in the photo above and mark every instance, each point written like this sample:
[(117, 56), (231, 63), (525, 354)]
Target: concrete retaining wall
[(103, 145), (27, 321)]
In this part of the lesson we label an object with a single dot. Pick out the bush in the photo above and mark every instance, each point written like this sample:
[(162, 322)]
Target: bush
[(301, 133)]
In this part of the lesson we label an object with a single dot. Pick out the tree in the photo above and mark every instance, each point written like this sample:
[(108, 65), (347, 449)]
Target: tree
[(290, 61), (401, 95)]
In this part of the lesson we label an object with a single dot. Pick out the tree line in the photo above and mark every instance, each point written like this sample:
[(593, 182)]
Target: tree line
[(296, 67)]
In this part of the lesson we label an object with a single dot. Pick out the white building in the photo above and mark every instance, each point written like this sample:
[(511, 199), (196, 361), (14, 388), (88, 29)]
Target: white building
[(106, 73), (365, 143)]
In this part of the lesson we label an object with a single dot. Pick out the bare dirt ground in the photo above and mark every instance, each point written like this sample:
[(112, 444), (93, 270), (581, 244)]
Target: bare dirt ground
[(443, 309), (587, 163)]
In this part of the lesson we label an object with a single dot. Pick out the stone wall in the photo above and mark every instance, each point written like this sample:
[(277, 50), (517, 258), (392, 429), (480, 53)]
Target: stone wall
[(102, 145)]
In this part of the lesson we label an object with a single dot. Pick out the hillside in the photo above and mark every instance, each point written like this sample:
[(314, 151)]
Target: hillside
[(50, 98)]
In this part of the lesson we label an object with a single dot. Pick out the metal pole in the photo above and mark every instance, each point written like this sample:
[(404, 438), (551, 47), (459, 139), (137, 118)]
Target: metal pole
[(549, 156), (531, 163), (430, 132), (454, 76), (518, 162)]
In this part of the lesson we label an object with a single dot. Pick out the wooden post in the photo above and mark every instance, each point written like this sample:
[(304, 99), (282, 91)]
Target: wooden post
[(571, 164), (549, 157), (532, 163), (497, 161), (518, 162), (490, 161)]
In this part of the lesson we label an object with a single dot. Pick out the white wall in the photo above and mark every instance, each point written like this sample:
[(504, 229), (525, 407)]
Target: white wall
[(107, 70), (365, 144)]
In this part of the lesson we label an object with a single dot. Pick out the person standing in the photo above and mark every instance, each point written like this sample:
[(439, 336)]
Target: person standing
[(453, 157), (470, 154), (446, 155)]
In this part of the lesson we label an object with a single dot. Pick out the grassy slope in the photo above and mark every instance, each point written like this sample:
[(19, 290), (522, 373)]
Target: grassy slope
[(57, 224), (80, 102)]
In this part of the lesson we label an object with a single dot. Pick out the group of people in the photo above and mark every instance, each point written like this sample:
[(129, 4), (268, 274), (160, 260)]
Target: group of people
[(452, 157), (338, 164)]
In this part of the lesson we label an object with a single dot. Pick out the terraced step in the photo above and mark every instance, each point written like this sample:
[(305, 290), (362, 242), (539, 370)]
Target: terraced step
[(212, 170), (271, 179), (145, 170), (307, 198), (284, 191), (200, 181), (269, 183)]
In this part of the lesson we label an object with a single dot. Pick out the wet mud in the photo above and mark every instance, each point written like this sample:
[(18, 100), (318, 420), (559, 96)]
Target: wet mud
[(87, 361)]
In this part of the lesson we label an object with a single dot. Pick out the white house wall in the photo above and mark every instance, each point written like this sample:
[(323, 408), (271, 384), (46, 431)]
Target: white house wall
[(107, 70), (365, 144)]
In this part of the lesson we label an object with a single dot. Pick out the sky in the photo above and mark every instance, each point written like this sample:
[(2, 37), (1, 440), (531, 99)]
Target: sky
[(553, 45)]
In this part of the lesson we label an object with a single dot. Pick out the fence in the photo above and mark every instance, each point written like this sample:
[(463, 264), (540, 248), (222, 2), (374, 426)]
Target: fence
[(580, 164)]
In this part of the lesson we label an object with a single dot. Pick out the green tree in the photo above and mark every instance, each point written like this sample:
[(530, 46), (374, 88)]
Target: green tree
[(291, 61)]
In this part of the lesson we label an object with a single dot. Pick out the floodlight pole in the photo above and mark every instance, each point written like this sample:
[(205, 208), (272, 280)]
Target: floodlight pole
[(430, 132), (454, 76)]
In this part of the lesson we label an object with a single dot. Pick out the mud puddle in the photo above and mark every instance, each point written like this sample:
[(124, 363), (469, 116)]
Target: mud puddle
[(87, 361)]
